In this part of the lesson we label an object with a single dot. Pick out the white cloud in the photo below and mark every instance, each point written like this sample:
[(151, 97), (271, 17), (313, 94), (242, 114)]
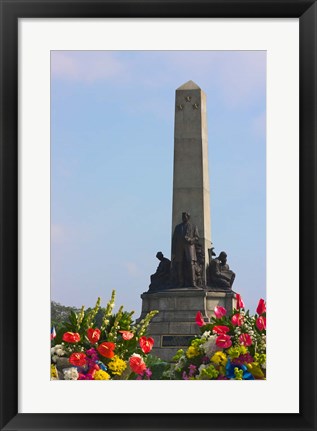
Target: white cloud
[(132, 269), (84, 66)]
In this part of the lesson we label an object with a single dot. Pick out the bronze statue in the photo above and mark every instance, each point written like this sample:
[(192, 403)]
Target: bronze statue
[(184, 258), (161, 278), (220, 275), (200, 266)]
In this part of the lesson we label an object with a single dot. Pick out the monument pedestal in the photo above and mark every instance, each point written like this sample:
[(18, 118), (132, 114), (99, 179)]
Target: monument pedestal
[(174, 326)]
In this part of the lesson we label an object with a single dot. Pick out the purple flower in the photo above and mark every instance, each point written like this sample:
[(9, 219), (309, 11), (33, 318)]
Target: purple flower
[(85, 377), (147, 373), (192, 370), (243, 359), (184, 376), (92, 352), (222, 378)]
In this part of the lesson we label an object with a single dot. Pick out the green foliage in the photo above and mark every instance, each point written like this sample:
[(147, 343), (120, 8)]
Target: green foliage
[(79, 321), (208, 373), (157, 367)]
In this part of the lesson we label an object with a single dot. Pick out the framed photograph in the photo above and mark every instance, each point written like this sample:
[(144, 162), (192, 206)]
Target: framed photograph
[(55, 56)]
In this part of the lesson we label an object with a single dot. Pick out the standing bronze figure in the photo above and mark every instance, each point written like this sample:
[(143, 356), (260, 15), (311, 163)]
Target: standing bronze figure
[(184, 258)]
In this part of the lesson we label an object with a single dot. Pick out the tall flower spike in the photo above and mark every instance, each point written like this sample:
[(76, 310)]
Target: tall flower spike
[(80, 316), (92, 314), (113, 331), (108, 311), (142, 326)]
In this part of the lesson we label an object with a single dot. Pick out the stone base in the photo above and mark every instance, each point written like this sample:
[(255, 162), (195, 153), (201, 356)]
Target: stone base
[(174, 326)]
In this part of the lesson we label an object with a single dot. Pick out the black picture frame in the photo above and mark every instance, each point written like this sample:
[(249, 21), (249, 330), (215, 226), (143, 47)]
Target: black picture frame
[(11, 11)]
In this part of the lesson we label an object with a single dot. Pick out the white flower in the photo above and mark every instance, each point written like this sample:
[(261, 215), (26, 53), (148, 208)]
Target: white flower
[(52, 350), (54, 358), (181, 362), (60, 352), (210, 346), (206, 334), (168, 374), (70, 373), (202, 366)]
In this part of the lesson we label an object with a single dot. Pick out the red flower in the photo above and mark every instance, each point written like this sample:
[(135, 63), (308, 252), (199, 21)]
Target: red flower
[(245, 339), (199, 319), (220, 312), (261, 323), (237, 319), (78, 359), (106, 349), (261, 308), (223, 341), (146, 344), (240, 303), (137, 364), (93, 335), (127, 335), (71, 337), (220, 329)]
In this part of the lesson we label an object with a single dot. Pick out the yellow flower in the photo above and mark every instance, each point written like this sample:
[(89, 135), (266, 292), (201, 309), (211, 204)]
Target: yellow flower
[(192, 352), (117, 365), (219, 358), (255, 369), (54, 374), (101, 375)]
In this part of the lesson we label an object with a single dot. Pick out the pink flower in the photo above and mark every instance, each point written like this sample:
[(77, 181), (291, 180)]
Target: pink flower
[(199, 319), (223, 341), (220, 329), (220, 312), (261, 308), (92, 370), (261, 323), (237, 319), (240, 303), (245, 339), (126, 335)]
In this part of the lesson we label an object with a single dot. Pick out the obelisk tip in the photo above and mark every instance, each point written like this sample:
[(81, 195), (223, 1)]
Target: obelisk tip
[(190, 85)]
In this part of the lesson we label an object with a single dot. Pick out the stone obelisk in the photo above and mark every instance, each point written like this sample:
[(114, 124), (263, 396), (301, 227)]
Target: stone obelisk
[(174, 326), (191, 191)]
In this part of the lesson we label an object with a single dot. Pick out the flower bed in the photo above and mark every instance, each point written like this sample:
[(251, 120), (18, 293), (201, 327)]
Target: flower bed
[(230, 347), (117, 349)]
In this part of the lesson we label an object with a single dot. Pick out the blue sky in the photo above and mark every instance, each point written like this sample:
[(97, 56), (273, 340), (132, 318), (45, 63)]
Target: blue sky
[(112, 132)]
